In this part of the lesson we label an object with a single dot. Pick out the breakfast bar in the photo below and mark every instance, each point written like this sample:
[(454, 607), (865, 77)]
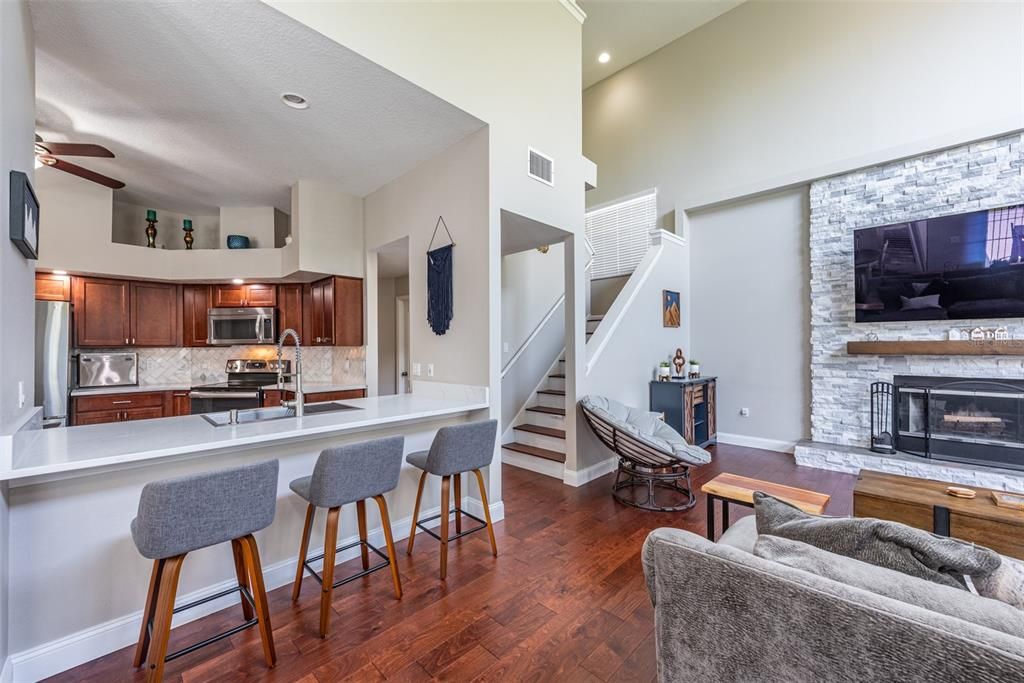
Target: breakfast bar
[(72, 493)]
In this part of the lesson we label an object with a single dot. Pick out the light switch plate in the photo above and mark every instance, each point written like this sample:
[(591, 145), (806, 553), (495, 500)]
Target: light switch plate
[(417, 370)]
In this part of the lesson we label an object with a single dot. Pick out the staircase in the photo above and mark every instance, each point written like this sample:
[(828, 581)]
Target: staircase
[(539, 432)]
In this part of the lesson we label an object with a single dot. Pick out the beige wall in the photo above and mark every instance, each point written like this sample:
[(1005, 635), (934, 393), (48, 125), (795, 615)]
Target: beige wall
[(603, 293), (386, 330), (329, 229), (453, 184), (531, 284), (750, 293), (255, 222), (129, 227), (777, 93)]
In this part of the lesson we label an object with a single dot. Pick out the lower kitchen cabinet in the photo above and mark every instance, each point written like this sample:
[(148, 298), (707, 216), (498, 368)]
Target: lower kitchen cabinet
[(127, 407), (177, 404), (273, 397)]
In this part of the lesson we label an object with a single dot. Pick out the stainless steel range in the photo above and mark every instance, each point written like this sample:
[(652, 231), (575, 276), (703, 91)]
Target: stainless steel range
[(242, 390)]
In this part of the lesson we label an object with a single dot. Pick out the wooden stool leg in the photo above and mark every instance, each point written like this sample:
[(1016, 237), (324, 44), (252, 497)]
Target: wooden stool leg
[(446, 483), (327, 573), (162, 618), (148, 613), (259, 596), (487, 511), (390, 543), (300, 571), (243, 576), (458, 502), (416, 513), (364, 551)]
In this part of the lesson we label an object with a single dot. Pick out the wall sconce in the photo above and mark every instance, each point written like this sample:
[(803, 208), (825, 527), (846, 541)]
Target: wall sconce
[(544, 249)]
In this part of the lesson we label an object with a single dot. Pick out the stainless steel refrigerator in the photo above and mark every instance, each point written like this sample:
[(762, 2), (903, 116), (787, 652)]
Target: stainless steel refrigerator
[(53, 361)]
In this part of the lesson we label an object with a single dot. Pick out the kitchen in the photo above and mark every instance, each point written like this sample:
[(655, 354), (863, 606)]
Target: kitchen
[(119, 350)]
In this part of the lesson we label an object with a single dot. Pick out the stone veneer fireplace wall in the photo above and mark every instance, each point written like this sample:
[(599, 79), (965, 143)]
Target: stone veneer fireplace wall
[(975, 176)]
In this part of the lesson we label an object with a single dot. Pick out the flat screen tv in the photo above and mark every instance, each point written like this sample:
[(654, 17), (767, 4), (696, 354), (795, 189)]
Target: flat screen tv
[(967, 266)]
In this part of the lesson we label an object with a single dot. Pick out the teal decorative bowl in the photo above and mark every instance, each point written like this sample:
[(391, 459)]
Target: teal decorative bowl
[(238, 242)]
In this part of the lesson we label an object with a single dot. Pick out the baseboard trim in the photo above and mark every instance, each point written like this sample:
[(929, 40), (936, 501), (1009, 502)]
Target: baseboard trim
[(549, 468), (757, 442), (588, 474), (84, 646)]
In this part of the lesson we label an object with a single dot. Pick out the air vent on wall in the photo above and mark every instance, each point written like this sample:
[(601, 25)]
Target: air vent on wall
[(541, 167)]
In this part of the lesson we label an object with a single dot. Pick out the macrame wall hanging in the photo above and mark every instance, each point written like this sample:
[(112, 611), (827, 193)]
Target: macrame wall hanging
[(440, 299)]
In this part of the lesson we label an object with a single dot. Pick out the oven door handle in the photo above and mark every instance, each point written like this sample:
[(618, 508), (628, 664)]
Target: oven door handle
[(224, 394)]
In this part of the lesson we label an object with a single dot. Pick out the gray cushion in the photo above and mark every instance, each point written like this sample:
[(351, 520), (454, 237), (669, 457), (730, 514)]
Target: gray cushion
[(353, 472), (1005, 584), (179, 515), (457, 449), (647, 427), (897, 585), (879, 542), (741, 535)]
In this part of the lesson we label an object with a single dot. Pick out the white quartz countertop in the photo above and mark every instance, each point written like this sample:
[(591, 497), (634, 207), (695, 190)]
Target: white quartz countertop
[(39, 453), (316, 387), (136, 389)]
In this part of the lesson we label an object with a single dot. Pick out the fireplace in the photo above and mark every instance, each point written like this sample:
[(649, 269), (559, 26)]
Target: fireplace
[(974, 421)]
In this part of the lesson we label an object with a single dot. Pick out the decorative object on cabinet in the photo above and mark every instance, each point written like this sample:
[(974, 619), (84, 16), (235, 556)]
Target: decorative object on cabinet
[(1002, 334), (151, 222), (954, 334), (670, 313), (238, 242), (679, 361), (440, 297), (24, 216), (664, 371), (978, 334), (694, 369), (187, 227), (881, 417), (689, 407)]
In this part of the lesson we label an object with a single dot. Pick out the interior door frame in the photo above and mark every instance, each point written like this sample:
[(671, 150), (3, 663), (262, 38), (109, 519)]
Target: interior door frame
[(401, 342)]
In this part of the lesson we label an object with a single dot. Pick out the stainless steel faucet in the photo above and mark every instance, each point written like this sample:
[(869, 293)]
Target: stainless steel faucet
[(299, 404)]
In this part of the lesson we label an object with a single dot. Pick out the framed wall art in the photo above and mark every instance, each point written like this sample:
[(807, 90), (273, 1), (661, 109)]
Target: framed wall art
[(24, 216)]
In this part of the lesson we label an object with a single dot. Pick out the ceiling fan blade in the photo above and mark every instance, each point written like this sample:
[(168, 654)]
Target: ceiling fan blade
[(75, 149), (75, 169)]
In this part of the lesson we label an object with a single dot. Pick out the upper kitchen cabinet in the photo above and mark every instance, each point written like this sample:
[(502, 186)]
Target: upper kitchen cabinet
[(51, 287), (240, 296), (113, 313), (290, 310), (196, 301), (336, 316), (102, 311)]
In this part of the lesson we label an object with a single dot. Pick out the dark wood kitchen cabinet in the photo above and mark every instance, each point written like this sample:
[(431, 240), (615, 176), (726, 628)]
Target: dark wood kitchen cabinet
[(196, 300), (102, 312), (336, 316), (51, 287), (103, 408), (241, 296), (155, 314), (177, 403), (290, 311)]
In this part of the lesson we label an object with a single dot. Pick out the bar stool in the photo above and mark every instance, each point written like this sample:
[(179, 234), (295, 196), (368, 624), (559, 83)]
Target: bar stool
[(180, 515), (458, 449), (343, 475)]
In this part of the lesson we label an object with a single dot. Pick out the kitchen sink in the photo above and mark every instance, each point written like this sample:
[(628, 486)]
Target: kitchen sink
[(268, 414)]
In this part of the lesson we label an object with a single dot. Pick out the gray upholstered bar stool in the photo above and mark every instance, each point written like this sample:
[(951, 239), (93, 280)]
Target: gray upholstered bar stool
[(344, 475), (180, 515), (455, 450)]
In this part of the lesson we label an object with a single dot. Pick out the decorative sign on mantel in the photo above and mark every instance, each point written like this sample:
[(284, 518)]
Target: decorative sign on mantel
[(440, 296)]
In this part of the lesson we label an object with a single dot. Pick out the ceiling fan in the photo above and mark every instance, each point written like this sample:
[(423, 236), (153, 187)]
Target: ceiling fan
[(47, 153)]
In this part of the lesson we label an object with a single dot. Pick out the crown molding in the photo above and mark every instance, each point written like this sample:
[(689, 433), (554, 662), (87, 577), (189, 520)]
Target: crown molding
[(575, 10)]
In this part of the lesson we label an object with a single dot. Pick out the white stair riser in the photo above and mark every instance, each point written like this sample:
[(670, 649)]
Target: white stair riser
[(552, 443), (528, 462), (556, 383), (550, 400), (545, 420)]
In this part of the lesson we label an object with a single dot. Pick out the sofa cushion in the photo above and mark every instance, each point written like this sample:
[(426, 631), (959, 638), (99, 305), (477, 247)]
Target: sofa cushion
[(897, 585), (879, 542), (742, 534)]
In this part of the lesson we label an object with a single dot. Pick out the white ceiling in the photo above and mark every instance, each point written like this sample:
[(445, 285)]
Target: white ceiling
[(393, 259), (629, 30), (187, 96)]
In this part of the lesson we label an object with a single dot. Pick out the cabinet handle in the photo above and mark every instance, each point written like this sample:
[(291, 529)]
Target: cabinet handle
[(133, 341), (120, 403), (327, 340), (318, 340), (126, 341)]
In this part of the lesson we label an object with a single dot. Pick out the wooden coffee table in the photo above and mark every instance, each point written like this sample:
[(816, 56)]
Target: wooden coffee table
[(732, 488), (924, 504)]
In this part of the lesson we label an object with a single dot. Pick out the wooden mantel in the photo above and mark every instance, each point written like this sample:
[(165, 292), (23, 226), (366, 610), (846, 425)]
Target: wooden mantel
[(1010, 347)]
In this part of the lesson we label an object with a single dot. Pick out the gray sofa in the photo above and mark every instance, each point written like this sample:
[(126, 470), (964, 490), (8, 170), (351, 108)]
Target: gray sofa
[(725, 614)]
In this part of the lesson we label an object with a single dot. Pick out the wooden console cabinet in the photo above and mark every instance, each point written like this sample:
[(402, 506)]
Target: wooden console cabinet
[(689, 408)]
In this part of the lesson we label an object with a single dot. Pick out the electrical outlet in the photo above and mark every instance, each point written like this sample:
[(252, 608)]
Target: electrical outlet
[(417, 369), (21, 394), (430, 369), (744, 412)]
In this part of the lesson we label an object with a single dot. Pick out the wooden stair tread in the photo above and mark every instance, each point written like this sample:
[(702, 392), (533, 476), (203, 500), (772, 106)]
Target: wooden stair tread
[(544, 431), (545, 453), (552, 392), (546, 409)]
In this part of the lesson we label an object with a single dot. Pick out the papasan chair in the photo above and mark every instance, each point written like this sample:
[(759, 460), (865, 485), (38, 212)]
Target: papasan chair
[(653, 457)]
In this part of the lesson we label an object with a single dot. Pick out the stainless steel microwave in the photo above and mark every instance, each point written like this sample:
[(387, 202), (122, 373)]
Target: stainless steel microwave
[(229, 326)]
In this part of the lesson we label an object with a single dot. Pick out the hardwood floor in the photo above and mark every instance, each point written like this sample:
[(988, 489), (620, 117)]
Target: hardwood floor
[(564, 600)]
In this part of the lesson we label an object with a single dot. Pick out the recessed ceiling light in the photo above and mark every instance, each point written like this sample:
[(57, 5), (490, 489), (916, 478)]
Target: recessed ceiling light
[(604, 58), (60, 272), (238, 281), (295, 101)]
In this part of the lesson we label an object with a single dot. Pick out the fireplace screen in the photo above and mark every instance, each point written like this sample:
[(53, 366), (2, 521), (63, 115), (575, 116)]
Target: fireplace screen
[(972, 421)]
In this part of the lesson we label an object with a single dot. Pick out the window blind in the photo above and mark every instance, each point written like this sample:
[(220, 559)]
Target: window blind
[(620, 234)]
